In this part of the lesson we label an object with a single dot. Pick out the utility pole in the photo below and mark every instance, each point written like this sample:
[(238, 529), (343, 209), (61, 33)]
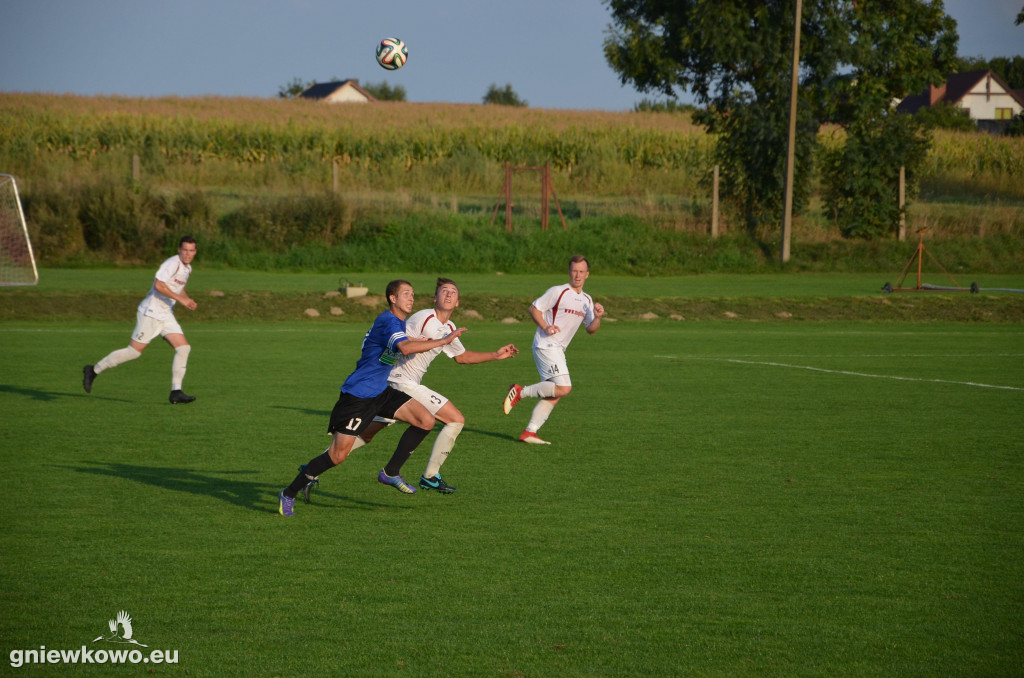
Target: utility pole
[(787, 216)]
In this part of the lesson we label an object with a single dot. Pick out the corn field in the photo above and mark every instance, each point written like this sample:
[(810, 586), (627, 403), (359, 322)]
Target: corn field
[(446, 156)]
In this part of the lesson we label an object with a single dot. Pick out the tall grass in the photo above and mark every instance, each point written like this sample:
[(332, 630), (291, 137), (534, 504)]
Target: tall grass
[(210, 164)]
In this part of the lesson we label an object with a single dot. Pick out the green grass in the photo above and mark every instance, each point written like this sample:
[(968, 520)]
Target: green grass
[(720, 498), (829, 285), (81, 295)]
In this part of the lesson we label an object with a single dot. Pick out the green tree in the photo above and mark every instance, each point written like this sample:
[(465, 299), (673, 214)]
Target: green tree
[(944, 115), (1010, 69), (735, 56), (503, 96), (666, 106), (294, 88), (1015, 128), (385, 92)]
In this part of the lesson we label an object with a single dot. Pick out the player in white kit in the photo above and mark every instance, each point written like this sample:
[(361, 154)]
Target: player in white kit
[(155, 318), (558, 313), (407, 376)]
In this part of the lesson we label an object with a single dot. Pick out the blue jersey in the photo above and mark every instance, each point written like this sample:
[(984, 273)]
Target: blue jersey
[(379, 354)]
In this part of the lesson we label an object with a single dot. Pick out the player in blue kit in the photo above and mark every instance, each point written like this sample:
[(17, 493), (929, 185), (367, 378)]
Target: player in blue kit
[(366, 394)]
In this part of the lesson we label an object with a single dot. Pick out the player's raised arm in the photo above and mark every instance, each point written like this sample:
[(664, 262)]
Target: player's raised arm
[(410, 346), (477, 357)]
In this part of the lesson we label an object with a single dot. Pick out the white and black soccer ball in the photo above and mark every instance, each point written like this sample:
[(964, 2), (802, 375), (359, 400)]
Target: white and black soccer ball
[(392, 53)]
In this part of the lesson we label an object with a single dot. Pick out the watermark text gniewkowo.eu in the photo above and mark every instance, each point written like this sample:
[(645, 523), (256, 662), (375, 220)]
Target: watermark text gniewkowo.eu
[(87, 655), (122, 632)]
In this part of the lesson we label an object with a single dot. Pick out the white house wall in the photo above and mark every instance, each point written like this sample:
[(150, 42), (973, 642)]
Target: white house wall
[(983, 104), (345, 95)]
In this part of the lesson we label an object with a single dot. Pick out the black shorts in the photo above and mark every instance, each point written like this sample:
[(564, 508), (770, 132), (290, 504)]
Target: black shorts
[(351, 415)]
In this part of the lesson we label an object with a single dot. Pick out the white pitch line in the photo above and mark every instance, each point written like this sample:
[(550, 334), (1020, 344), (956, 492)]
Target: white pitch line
[(852, 374)]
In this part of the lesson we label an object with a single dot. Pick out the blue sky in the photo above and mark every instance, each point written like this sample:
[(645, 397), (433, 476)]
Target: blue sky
[(550, 51)]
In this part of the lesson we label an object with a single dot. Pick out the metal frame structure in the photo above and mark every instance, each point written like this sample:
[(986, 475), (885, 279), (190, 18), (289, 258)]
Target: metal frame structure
[(924, 287)]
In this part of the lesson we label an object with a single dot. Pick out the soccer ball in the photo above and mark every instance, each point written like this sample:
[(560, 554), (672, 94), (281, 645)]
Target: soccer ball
[(392, 53)]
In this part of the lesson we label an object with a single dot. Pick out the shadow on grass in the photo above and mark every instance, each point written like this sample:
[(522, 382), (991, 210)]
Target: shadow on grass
[(304, 410), (494, 434), (224, 485), (49, 396)]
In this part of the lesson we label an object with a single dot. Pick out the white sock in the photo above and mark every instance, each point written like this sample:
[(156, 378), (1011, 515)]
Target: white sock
[(119, 356), (178, 366), (442, 447), (544, 389), (540, 415)]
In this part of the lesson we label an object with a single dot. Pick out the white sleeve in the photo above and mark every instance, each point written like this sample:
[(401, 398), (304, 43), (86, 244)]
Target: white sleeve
[(454, 349), (167, 270), (588, 312), (546, 301)]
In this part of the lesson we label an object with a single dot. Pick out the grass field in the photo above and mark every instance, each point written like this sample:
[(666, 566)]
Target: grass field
[(720, 498)]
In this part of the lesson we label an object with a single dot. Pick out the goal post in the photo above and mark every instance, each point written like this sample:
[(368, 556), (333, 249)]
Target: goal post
[(17, 260)]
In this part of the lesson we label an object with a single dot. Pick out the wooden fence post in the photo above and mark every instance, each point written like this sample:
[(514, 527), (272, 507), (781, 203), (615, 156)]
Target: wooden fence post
[(714, 203), (903, 203), (508, 196), (544, 198)]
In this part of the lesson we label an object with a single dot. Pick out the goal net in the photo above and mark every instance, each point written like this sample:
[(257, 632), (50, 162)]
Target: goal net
[(17, 261)]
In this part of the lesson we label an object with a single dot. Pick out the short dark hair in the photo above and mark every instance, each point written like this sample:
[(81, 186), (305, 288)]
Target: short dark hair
[(185, 239), (444, 281), (392, 288), (577, 258)]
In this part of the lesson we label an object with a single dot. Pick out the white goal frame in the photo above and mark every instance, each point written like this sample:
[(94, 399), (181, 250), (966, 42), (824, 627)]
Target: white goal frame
[(15, 245)]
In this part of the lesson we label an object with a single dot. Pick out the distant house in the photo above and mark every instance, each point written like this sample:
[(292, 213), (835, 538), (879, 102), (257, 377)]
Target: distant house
[(983, 94), (338, 92)]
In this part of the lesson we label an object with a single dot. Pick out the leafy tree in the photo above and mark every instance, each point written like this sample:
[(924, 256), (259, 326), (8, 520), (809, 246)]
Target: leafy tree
[(666, 106), (1010, 69), (735, 56), (1015, 128), (946, 116), (385, 92), (897, 48), (503, 97), (860, 180), (294, 88)]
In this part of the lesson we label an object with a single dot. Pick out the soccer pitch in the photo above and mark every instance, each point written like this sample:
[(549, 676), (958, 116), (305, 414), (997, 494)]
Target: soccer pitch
[(719, 498)]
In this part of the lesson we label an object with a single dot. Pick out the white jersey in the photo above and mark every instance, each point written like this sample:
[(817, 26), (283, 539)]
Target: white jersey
[(566, 308), (173, 273), (424, 325)]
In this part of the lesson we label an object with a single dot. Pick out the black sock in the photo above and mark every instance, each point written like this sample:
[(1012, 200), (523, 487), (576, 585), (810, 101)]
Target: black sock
[(315, 467), (412, 437)]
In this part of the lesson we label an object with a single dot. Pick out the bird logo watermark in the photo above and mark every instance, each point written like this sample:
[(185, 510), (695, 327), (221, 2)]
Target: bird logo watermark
[(124, 621)]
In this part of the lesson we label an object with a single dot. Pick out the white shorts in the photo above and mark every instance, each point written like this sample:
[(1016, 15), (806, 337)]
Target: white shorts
[(148, 328), (551, 365), (432, 400)]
